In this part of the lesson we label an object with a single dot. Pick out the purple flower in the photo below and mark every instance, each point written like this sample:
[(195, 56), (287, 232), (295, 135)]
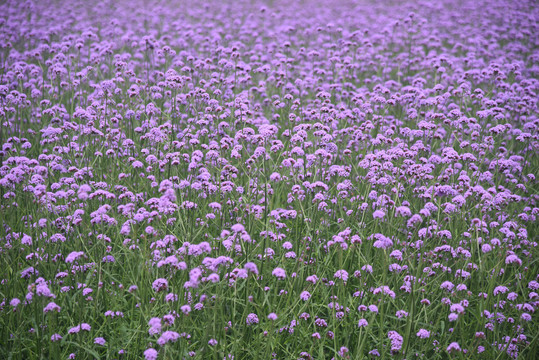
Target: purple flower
[(396, 340), (74, 330), (26, 240), (362, 323), (237, 228), (250, 266), (403, 211), (305, 295), (453, 347), (447, 285), (374, 352), (151, 354), (500, 290), (87, 291), (155, 326), (513, 259), (401, 313), (43, 290), (382, 242), (168, 336), (99, 341), (341, 274), (458, 308), (73, 256), (423, 334), (397, 254), (51, 307), (343, 351), (160, 285), (251, 319), (279, 273)]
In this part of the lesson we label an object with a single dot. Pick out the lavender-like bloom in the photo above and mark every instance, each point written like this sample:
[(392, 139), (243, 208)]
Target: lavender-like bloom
[(252, 319), (250, 266), (74, 330), (237, 228), (374, 352), (42, 289), (51, 307), (513, 259), (155, 326), (150, 354), (341, 274), (403, 211), (160, 285), (382, 242), (396, 340), (279, 273), (343, 351), (500, 290), (401, 314), (305, 295), (447, 285), (186, 309), (168, 336), (453, 347), (73, 256)]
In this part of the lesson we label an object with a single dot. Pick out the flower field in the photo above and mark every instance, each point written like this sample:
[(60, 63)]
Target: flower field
[(269, 179)]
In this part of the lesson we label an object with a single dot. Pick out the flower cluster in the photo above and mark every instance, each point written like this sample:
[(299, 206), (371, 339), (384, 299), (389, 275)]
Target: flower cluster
[(235, 179)]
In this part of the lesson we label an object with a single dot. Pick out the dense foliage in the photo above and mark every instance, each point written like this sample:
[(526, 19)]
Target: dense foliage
[(277, 180)]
